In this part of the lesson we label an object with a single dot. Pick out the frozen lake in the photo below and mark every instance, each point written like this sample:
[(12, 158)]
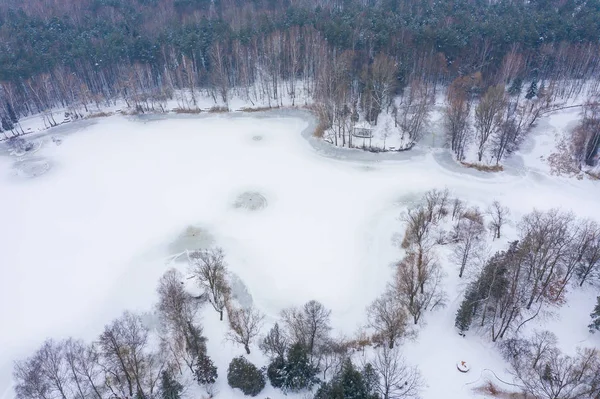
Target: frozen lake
[(297, 219)]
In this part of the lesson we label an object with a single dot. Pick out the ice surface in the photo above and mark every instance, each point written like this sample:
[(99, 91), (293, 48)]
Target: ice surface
[(91, 237)]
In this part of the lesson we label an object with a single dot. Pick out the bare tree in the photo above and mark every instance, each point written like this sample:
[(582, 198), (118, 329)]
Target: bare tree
[(209, 267), (30, 381), (499, 214), (590, 263), (181, 336), (412, 113), (469, 232), (175, 305), (583, 239), (388, 318), (545, 372), (418, 225), (45, 375), (456, 120), (457, 208), (396, 379), (274, 344), (308, 326), (245, 325), (488, 116), (545, 241), (85, 374), (436, 202), (130, 368), (54, 366), (332, 353), (542, 346), (586, 137), (417, 284), (380, 80)]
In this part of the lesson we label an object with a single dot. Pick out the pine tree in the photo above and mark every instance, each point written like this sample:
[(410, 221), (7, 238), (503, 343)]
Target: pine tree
[(595, 324), (464, 315), (370, 377), (205, 370), (169, 386), (532, 91), (11, 113), (298, 373), (515, 87), (7, 124), (350, 383)]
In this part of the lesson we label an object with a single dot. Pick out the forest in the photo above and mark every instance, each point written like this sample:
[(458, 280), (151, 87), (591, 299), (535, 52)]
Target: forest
[(347, 59)]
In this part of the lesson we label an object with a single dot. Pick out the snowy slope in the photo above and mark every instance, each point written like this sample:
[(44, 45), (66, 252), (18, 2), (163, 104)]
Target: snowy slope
[(92, 236)]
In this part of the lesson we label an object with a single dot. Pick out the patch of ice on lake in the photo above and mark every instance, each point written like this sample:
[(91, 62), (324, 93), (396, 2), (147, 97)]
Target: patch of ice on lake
[(30, 168), (190, 239), (250, 200)]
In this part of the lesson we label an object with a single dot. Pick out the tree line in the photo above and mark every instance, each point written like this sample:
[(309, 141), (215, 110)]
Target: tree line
[(80, 53)]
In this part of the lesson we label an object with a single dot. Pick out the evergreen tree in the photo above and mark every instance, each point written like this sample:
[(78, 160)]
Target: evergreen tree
[(11, 113), (595, 324), (532, 91), (298, 373), (205, 370), (370, 377), (7, 124), (464, 315), (350, 383), (170, 388), (244, 375), (516, 87)]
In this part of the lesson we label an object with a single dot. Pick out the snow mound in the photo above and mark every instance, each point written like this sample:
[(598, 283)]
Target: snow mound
[(250, 200), (30, 168), (190, 239), (257, 138)]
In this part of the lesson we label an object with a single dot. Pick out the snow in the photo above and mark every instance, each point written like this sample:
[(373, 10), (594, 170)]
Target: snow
[(90, 237)]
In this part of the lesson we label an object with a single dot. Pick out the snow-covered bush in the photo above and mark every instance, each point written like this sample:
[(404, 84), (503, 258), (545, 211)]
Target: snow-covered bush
[(244, 375)]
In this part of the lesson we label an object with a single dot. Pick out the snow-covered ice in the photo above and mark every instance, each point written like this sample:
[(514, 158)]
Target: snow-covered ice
[(90, 237)]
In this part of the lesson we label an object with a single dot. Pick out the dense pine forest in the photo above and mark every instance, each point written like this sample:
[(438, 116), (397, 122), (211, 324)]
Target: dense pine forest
[(56, 52)]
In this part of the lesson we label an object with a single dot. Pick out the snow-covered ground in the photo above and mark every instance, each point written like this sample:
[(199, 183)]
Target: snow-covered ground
[(90, 237)]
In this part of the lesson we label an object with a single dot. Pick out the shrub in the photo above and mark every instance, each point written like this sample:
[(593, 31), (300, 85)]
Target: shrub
[(276, 372), (218, 109), (483, 168), (187, 110), (244, 375)]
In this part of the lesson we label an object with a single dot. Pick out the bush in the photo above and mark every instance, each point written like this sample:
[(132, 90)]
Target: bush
[(244, 375), (483, 168), (276, 372)]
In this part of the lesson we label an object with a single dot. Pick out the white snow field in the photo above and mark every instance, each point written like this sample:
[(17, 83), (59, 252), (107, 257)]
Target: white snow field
[(91, 236)]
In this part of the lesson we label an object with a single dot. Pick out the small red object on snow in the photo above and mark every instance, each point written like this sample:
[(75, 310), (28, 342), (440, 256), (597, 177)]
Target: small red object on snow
[(462, 366)]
